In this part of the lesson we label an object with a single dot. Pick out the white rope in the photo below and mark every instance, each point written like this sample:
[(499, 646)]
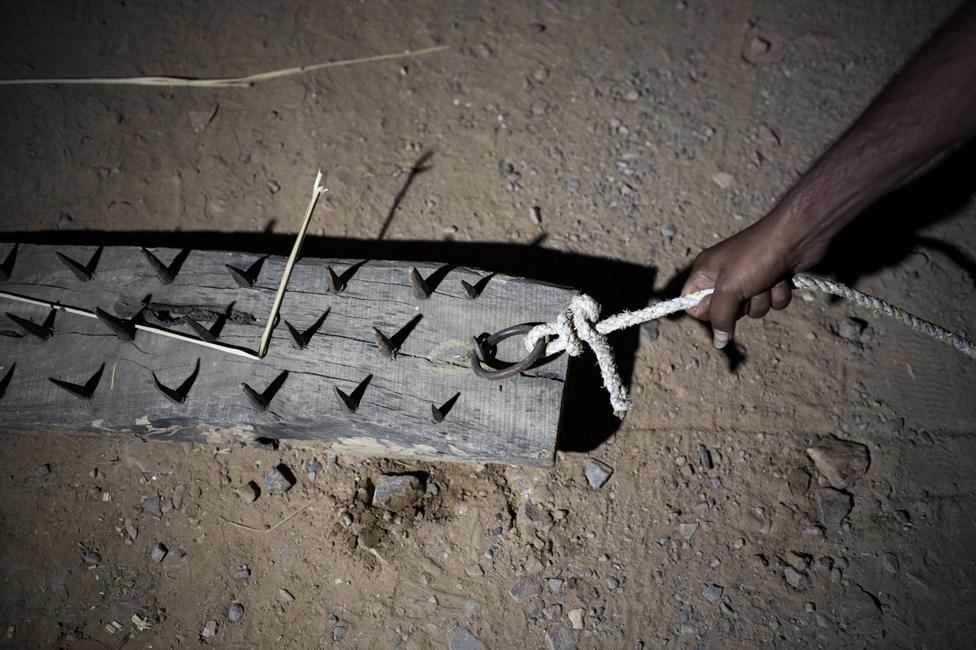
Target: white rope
[(578, 326)]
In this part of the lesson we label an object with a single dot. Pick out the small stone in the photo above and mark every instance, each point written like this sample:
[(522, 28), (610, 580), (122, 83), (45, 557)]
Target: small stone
[(273, 186), (285, 595), (576, 618), (159, 552), (903, 517), (688, 529), (759, 46), (250, 492), (313, 470), (462, 639), (179, 493), (235, 613), (724, 180), (809, 607), (795, 579), (66, 222), (832, 506), (895, 425), (43, 470), (713, 593), (209, 631), (242, 573), (799, 561), (540, 74), (525, 588), (397, 491), (560, 638), (704, 458), (131, 529), (540, 107), (890, 563), (553, 612), (857, 605), (199, 120), (91, 558), (555, 584), (597, 472), (840, 462), (535, 214), (851, 328), (279, 480), (631, 95), (649, 330), (153, 506)]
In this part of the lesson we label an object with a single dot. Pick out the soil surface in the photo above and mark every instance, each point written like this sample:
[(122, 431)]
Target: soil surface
[(614, 140)]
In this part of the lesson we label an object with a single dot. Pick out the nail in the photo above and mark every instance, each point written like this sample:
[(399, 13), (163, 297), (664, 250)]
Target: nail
[(470, 289), (436, 416), (177, 395), (297, 338), (241, 277), (260, 401), (81, 272), (720, 339), (333, 281), (384, 343), (6, 380), (8, 263), (255, 398), (347, 403), (124, 329), (421, 291), (84, 392), (201, 331), (157, 265), (42, 332)]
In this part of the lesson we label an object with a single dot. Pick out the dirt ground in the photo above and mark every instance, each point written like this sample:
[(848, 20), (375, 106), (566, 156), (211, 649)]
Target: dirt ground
[(642, 132)]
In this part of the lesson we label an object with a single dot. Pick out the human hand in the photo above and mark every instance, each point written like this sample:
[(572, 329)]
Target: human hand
[(751, 273)]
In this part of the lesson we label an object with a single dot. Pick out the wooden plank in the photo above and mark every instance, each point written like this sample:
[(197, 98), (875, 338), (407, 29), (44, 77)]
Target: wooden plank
[(509, 421)]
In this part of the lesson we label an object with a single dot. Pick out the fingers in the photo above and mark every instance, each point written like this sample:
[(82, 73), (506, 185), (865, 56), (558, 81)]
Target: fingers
[(698, 280), (759, 304), (722, 312), (781, 294)]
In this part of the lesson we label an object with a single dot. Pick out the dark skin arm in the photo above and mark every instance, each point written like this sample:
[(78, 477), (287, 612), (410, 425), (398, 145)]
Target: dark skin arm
[(928, 107)]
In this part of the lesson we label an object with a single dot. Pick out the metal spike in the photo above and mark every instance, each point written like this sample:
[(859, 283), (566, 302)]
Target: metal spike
[(298, 338), (6, 380), (333, 281), (201, 331), (8, 263), (241, 277), (81, 272), (421, 291), (43, 332), (436, 416), (84, 392), (124, 329), (384, 343), (257, 400), (347, 402), (169, 393), (163, 271), (470, 289)]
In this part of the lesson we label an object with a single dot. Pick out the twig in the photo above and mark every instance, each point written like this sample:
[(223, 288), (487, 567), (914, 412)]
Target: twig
[(222, 82), (270, 528)]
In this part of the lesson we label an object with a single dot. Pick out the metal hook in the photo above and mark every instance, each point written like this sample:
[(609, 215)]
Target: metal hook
[(481, 348)]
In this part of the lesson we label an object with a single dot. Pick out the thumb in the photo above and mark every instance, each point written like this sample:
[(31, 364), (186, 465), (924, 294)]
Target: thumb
[(722, 313)]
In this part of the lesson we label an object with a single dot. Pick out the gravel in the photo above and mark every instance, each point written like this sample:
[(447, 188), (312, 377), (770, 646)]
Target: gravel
[(235, 613), (597, 472), (395, 492)]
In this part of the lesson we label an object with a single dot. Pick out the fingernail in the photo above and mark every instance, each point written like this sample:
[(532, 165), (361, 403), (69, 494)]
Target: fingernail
[(720, 339)]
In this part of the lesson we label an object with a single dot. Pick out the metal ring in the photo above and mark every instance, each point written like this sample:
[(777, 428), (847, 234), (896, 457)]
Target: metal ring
[(478, 356)]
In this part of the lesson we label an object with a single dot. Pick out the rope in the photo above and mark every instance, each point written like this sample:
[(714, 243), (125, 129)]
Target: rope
[(578, 326)]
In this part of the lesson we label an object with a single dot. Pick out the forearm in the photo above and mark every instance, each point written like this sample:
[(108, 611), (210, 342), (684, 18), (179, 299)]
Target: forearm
[(928, 107)]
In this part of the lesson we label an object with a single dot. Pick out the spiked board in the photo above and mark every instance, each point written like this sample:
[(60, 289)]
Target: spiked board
[(361, 357)]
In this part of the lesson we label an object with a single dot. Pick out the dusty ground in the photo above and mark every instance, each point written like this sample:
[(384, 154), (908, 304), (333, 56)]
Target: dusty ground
[(643, 132)]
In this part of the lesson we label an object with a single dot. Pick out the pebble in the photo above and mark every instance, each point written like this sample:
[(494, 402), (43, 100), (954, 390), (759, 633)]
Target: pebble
[(713, 593), (903, 517), (209, 630), (553, 612), (705, 458), (43, 470), (759, 46), (560, 638), (890, 563), (555, 584), (285, 595), (851, 328), (242, 573), (857, 605), (397, 492), (631, 95), (91, 558), (649, 330), (235, 613), (131, 529), (688, 529), (279, 480), (250, 492), (841, 462), (535, 214), (576, 618), (462, 639), (159, 552), (153, 506), (524, 589), (724, 180), (597, 472), (795, 578), (179, 493), (313, 470), (832, 506)]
